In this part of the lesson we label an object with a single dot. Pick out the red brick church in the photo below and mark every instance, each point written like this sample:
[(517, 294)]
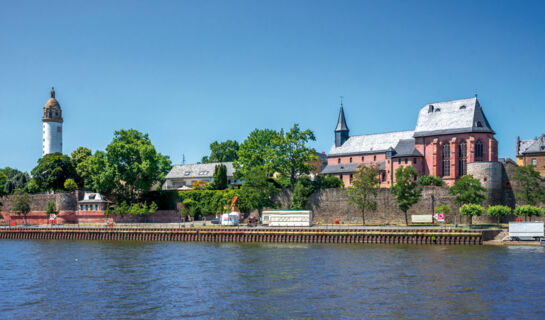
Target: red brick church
[(448, 136)]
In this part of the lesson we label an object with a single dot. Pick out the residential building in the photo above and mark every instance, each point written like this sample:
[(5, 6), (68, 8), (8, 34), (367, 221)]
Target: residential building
[(532, 152), (182, 176)]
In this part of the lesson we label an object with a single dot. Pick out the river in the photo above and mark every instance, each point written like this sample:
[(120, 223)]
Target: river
[(162, 280)]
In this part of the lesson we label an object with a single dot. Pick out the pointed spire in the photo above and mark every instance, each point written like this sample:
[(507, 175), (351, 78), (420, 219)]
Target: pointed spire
[(52, 92), (341, 123)]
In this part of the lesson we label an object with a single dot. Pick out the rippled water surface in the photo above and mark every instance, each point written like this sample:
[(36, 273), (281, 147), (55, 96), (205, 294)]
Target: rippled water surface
[(161, 280)]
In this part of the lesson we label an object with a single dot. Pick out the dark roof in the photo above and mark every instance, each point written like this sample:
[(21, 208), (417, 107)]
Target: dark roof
[(341, 123), (405, 148), (348, 167)]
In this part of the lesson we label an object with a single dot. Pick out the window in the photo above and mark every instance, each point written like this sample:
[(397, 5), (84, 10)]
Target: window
[(350, 178), (478, 151), (187, 173), (406, 160), (430, 108), (362, 158), (534, 161), (479, 124), (462, 107), (438, 109), (341, 177), (462, 159), (350, 159), (374, 158), (414, 160), (399, 161), (383, 176), (339, 160), (446, 160)]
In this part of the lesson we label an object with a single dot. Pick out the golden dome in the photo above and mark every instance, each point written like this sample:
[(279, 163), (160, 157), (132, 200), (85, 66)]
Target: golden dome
[(52, 109)]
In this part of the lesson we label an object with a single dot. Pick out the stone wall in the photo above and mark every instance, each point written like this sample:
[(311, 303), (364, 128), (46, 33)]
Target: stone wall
[(64, 201)]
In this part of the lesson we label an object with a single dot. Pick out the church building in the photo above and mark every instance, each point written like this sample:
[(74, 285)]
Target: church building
[(448, 136), (52, 126)]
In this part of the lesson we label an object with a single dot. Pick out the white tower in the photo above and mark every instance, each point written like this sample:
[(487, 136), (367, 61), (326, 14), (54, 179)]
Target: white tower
[(52, 126)]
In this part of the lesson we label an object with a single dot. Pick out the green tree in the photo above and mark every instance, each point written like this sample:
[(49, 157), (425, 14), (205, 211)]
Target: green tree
[(470, 210), (260, 149), (257, 191), (531, 191), (364, 189), (443, 208), (3, 181), (468, 190), (300, 197), (405, 189), (225, 151), (70, 185), (427, 180), (527, 211), (80, 161), (130, 166), (52, 171), (21, 203), (51, 208), (16, 180), (326, 181), (220, 177), (294, 154), (498, 211)]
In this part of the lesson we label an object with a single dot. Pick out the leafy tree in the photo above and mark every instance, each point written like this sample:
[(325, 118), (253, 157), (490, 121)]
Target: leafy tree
[(130, 166), (16, 180), (498, 211), (220, 177), (21, 203), (300, 197), (365, 185), (427, 180), (51, 208), (328, 182), (70, 185), (470, 210), (257, 191), (80, 161), (222, 152), (527, 211), (3, 181), (260, 149), (531, 190), (443, 208), (406, 190), (468, 190), (294, 155), (52, 171)]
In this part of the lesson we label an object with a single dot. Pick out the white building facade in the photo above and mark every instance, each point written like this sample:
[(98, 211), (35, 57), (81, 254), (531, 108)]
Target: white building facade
[(52, 126)]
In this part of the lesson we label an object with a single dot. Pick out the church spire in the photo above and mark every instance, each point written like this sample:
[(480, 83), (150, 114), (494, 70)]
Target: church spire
[(52, 92), (341, 131)]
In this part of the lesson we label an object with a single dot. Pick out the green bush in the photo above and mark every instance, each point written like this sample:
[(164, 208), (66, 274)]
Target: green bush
[(51, 208), (70, 185), (527, 211), (443, 208), (300, 197), (471, 210), (206, 202), (427, 180), (498, 211)]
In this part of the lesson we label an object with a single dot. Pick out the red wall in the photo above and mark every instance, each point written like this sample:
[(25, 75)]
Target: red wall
[(88, 217)]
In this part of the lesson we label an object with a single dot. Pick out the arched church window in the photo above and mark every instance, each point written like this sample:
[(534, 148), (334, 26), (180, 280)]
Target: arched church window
[(462, 159), (478, 151), (446, 160)]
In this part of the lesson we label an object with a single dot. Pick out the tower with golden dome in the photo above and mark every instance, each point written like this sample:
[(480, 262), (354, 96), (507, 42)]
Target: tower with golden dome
[(52, 126)]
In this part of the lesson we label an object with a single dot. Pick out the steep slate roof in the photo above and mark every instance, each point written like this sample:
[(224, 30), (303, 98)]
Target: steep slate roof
[(198, 170), (348, 167), (341, 123), (532, 146), (370, 143), (405, 148), (449, 117)]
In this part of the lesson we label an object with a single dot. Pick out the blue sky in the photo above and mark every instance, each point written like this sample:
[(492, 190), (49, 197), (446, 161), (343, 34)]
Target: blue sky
[(188, 73)]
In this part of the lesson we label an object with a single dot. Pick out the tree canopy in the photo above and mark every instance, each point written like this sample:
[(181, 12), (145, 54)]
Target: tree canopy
[(531, 190), (16, 180), (260, 149), (294, 154), (52, 171), (257, 190), (225, 151), (468, 190), (365, 185), (80, 160), (405, 189)]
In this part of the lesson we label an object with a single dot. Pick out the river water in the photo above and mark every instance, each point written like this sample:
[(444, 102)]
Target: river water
[(162, 280)]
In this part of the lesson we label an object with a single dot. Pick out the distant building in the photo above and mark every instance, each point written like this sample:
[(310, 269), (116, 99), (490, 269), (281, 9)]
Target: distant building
[(92, 201), (532, 152), (52, 126), (182, 176), (448, 136)]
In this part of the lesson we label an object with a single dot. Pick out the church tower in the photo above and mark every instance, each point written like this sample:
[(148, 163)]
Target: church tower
[(52, 126), (341, 131)]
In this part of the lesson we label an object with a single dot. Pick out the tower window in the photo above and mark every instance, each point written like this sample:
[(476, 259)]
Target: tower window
[(479, 124), (478, 151)]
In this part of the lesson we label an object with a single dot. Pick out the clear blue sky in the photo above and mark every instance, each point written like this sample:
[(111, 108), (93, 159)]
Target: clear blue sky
[(188, 73)]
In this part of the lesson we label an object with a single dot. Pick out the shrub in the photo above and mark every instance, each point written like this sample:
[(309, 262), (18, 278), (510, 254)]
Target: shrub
[(443, 208), (427, 180), (498, 211), (70, 185), (51, 208), (300, 197), (527, 211), (328, 181), (471, 210)]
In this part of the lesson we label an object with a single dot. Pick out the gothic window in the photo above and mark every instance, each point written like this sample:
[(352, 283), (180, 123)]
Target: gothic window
[(478, 151), (339, 160), (446, 160), (362, 158), (374, 158), (462, 159), (350, 159)]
